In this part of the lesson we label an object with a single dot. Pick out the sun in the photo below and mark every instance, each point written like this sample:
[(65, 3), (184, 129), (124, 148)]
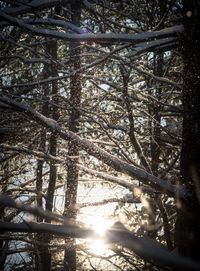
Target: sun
[(100, 225)]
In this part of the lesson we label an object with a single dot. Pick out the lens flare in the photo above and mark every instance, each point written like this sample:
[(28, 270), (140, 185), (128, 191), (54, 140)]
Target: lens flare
[(100, 225)]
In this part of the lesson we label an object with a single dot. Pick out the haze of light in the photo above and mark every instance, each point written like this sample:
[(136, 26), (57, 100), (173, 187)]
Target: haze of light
[(100, 225)]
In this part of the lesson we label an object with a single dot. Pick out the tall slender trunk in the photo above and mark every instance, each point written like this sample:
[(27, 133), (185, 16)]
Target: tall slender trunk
[(45, 254), (73, 150), (187, 233)]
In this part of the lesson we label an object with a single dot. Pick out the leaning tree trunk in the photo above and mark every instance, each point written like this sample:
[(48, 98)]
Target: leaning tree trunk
[(72, 170), (188, 223)]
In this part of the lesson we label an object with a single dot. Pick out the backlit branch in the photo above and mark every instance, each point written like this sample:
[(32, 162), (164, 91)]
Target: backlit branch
[(92, 149), (147, 249)]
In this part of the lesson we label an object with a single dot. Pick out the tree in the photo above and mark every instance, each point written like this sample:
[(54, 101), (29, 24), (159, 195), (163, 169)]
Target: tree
[(97, 90), (73, 149)]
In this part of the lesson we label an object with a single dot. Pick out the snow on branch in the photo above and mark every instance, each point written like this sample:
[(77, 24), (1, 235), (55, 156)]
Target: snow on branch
[(109, 37), (99, 153), (152, 46), (145, 248)]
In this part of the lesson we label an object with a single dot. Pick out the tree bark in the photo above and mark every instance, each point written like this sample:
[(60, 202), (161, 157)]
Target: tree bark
[(44, 253), (73, 149)]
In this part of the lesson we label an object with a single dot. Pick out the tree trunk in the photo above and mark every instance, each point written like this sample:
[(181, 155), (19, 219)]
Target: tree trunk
[(187, 233), (44, 253), (73, 150)]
